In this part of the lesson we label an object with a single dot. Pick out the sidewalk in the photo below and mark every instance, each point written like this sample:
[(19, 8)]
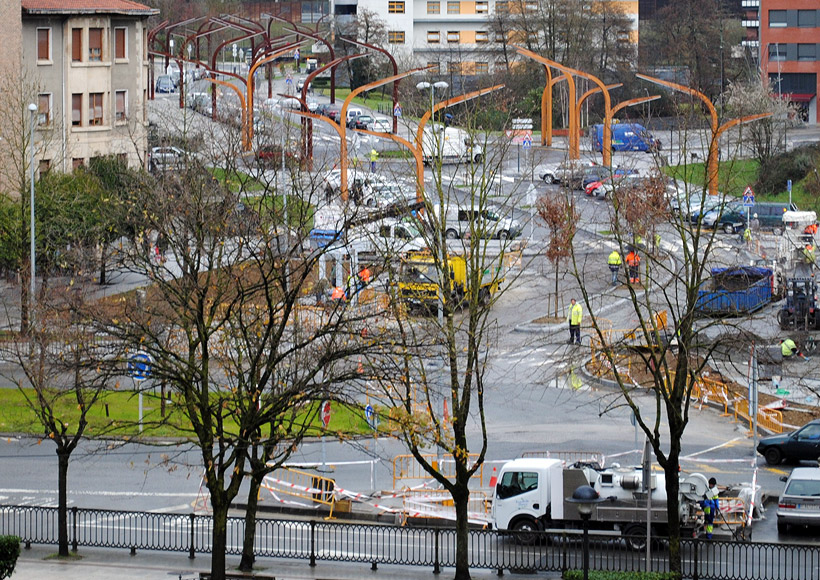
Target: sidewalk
[(102, 564)]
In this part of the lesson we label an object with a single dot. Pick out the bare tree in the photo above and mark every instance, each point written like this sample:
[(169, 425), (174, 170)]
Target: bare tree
[(559, 214), (61, 381), (433, 377), (767, 137)]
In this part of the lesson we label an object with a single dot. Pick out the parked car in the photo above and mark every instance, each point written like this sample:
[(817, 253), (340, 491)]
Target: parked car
[(165, 158), (352, 113), (795, 446), (606, 187), (270, 155), (770, 213), (300, 84), (799, 505), (569, 173), (164, 84), (380, 125), (360, 122), (600, 173), (731, 220), (703, 204), (493, 222), (381, 194)]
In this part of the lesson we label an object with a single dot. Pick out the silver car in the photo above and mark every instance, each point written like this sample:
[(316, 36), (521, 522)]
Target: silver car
[(800, 503)]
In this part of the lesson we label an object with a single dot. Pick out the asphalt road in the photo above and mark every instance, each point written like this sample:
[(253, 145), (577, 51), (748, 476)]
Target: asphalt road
[(531, 404)]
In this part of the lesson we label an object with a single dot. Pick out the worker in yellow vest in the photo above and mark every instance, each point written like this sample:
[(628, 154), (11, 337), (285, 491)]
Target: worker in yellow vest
[(574, 317), (614, 262)]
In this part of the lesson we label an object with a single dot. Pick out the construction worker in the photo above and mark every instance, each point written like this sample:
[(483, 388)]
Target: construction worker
[(789, 349), (614, 262), (808, 254), (711, 507), (633, 263), (374, 156), (747, 235), (574, 317), (811, 229)]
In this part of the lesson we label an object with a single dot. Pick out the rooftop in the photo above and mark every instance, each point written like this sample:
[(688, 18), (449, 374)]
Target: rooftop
[(86, 7)]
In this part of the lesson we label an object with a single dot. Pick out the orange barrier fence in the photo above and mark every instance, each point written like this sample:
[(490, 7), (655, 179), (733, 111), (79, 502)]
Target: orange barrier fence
[(406, 470)]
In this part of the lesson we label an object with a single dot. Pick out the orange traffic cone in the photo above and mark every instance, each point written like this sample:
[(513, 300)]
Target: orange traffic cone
[(494, 478)]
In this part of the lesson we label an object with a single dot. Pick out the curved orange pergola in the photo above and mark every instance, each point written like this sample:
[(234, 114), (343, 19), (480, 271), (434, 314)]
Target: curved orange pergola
[(574, 140), (712, 161), (343, 116), (246, 144)]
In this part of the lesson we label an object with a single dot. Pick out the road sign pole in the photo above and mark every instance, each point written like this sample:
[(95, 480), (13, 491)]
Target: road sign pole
[(519, 158), (789, 187)]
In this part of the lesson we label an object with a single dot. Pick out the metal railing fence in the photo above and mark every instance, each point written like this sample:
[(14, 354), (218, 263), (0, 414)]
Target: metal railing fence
[(430, 547)]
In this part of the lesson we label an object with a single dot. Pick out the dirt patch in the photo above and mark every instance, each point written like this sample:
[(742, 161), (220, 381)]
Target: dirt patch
[(549, 320), (794, 414)]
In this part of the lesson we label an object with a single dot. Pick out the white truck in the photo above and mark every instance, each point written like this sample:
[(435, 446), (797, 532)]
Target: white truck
[(531, 493), (450, 145)]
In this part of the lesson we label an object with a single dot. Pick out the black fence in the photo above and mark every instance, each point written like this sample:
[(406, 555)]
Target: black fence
[(432, 548)]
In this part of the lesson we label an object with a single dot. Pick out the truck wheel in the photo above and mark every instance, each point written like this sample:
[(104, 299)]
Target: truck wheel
[(773, 456), (526, 531), (786, 319), (782, 527), (729, 229), (478, 158), (451, 234), (503, 235), (484, 297), (635, 537)]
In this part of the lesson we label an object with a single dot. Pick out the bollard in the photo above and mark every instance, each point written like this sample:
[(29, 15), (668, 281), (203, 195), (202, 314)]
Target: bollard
[(312, 544), (436, 566), (74, 529), (191, 550)]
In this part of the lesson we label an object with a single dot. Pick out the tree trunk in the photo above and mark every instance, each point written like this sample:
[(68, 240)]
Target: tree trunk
[(673, 515), (25, 277), (556, 290), (62, 501), (248, 557), (219, 538), (461, 499), (102, 263)]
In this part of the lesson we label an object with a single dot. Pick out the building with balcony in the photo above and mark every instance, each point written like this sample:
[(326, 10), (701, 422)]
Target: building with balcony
[(85, 64), (454, 35), (790, 52)]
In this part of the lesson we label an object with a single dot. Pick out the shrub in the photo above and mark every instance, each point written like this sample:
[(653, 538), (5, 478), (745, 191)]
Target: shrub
[(9, 552), (607, 575), (794, 165)]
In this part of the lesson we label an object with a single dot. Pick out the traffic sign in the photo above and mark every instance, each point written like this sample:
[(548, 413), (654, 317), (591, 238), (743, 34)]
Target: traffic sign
[(288, 80), (296, 54), (522, 124), (397, 110), (139, 365), (748, 197), (326, 413), (527, 142), (371, 416)]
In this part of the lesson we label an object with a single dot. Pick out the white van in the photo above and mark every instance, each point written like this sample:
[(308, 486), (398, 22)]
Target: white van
[(450, 145), (352, 113)]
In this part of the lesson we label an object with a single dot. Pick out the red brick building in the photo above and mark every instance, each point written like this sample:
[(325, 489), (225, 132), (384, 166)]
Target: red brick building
[(790, 51)]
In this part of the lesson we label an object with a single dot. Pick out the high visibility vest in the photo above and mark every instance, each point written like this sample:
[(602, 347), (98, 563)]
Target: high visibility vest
[(788, 348), (614, 259), (633, 259), (576, 314), (374, 155)]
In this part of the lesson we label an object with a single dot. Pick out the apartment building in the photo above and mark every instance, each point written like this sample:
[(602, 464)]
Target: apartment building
[(454, 35), (790, 51), (87, 62)]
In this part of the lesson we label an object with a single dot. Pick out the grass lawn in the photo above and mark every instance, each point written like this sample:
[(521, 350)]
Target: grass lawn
[(237, 181), (117, 413), (373, 100), (735, 176)]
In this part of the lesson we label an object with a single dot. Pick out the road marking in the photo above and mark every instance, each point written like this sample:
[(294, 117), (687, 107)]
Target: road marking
[(100, 493), (729, 443)]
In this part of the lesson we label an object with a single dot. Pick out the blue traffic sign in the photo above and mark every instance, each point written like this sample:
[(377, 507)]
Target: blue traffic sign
[(139, 366), (748, 197), (397, 110), (371, 416), (527, 142)]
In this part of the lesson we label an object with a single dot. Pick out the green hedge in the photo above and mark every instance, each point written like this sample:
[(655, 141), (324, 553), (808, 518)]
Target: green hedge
[(603, 575), (9, 552)]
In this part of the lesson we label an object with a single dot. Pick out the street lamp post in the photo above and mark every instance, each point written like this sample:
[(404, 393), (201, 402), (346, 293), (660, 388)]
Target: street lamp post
[(585, 498), (32, 108), (423, 86)]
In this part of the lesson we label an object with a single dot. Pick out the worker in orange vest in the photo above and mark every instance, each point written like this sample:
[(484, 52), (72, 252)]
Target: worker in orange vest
[(633, 263)]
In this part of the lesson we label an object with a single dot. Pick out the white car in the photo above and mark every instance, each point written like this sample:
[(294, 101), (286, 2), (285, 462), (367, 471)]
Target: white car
[(565, 172), (381, 125), (380, 194), (165, 158)]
